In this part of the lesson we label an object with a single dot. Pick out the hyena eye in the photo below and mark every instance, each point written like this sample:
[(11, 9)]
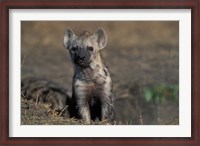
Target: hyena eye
[(90, 49), (74, 49)]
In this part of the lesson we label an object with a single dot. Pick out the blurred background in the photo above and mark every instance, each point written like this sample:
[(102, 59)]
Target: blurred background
[(142, 57)]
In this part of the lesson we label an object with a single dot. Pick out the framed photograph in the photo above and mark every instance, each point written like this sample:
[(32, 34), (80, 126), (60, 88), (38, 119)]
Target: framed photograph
[(100, 73)]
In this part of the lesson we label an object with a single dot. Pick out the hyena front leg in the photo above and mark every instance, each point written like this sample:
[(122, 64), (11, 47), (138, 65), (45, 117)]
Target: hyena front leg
[(80, 90), (84, 110), (107, 112)]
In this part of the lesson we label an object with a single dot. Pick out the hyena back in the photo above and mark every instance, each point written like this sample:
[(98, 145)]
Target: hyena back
[(92, 86), (42, 90)]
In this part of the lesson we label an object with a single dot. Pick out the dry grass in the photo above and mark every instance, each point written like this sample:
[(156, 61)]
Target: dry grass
[(41, 114)]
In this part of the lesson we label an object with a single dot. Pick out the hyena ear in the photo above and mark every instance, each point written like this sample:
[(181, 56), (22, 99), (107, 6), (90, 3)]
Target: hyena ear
[(68, 37), (101, 37)]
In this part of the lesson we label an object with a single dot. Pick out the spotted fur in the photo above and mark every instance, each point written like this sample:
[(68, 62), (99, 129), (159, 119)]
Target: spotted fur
[(92, 86), (42, 90)]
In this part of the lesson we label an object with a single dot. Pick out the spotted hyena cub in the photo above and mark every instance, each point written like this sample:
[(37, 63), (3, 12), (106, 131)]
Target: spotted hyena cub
[(92, 86)]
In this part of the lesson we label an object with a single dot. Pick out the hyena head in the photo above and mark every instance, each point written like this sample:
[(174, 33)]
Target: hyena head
[(84, 48)]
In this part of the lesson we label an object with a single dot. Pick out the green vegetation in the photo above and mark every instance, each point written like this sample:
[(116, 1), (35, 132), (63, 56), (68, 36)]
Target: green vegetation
[(160, 93)]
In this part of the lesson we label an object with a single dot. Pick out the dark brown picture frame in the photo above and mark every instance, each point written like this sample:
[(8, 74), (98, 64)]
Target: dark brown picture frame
[(89, 4)]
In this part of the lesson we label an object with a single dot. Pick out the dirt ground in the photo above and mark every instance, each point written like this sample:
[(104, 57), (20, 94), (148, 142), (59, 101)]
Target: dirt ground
[(139, 55)]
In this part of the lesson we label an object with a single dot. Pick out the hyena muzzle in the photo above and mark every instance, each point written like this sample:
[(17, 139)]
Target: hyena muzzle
[(92, 86)]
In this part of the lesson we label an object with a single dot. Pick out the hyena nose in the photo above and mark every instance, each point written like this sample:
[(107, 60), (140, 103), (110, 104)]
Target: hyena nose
[(79, 58)]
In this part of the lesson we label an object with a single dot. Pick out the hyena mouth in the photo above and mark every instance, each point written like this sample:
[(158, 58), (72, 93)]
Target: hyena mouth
[(83, 63)]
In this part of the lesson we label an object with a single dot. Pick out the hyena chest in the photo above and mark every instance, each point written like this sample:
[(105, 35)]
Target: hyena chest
[(93, 90)]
